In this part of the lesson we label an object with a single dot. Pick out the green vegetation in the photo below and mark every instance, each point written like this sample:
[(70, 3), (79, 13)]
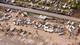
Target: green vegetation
[(65, 6)]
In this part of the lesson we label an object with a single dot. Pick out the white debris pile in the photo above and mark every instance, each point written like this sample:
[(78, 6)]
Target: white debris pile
[(12, 1), (42, 17), (49, 28), (59, 29), (37, 25), (27, 21), (72, 27), (24, 14), (5, 17)]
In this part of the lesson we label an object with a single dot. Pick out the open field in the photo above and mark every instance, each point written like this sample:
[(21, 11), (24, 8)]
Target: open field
[(26, 26)]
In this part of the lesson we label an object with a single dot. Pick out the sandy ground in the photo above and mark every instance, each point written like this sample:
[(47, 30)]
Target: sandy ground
[(37, 37)]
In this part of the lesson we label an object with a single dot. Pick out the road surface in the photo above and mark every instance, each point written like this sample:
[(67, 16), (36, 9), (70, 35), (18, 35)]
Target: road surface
[(41, 12)]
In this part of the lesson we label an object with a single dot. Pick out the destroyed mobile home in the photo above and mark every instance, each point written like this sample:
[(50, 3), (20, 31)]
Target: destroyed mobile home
[(43, 23), (56, 6), (47, 22), (71, 26)]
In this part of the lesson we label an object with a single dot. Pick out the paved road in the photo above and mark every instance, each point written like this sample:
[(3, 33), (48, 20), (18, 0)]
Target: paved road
[(41, 12)]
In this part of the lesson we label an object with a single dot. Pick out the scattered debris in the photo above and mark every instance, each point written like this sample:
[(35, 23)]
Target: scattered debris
[(5, 17), (23, 21), (42, 17), (24, 14), (49, 28), (72, 27), (20, 24)]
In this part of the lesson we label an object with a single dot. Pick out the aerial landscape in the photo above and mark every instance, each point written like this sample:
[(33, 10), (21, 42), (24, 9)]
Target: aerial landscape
[(39, 22)]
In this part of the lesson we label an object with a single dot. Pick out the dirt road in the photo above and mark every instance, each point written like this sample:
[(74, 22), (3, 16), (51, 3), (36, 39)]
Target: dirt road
[(40, 12)]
